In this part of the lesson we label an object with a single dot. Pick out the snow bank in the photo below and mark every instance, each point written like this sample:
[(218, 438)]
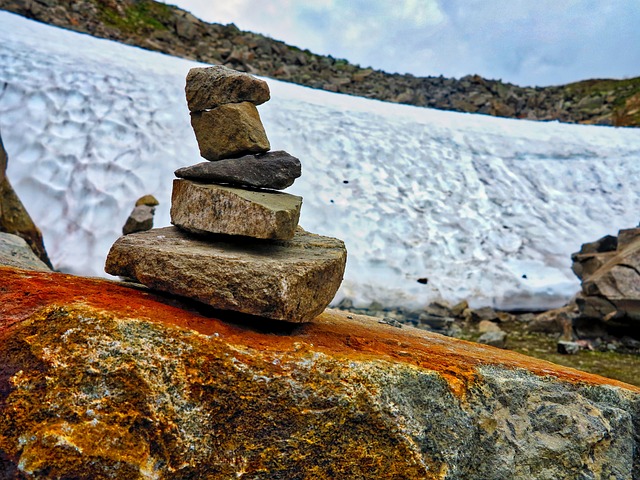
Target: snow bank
[(487, 209)]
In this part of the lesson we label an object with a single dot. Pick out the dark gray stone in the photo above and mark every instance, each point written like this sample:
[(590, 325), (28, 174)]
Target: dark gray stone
[(276, 170)]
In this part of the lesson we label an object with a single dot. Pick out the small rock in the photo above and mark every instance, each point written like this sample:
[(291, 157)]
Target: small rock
[(290, 280), (202, 208), (15, 252), (559, 320), (391, 321), (148, 200), (458, 309), (495, 339), (488, 326), (229, 131), (276, 170), (345, 304), (141, 219), (438, 309), (211, 87), (484, 313), (434, 321), (568, 348)]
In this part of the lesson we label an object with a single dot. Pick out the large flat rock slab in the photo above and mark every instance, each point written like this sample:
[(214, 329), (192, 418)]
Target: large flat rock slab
[(204, 208), (290, 280), (275, 170), (210, 87), (228, 131), (99, 380)]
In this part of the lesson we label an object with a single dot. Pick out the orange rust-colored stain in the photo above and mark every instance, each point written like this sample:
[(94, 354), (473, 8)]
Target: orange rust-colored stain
[(22, 293)]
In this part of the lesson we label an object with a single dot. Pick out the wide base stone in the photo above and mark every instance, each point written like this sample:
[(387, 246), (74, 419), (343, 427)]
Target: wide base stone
[(204, 208), (283, 280), (229, 131)]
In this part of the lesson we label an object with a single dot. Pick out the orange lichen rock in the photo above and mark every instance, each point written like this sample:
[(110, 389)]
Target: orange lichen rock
[(101, 380)]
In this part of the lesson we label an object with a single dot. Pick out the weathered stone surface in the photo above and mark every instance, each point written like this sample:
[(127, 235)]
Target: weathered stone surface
[(229, 131), (611, 293), (276, 170), (15, 252), (14, 218), (204, 208), (98, 380), (141, 219), (210, 87), (291, 280)]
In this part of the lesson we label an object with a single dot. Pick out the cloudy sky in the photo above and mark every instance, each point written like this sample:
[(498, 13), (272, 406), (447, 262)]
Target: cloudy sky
[(527, 42)]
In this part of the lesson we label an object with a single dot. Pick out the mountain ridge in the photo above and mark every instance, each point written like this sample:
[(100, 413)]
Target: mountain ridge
[(168, 29)]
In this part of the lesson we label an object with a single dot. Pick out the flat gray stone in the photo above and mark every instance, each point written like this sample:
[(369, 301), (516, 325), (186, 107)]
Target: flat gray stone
[(206, 208), (15, 252), (290, 280), (276, 170), (211, 87), (229, 131)]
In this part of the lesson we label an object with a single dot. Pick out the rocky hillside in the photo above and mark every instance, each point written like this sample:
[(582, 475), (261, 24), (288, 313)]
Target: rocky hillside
[(168, 29)]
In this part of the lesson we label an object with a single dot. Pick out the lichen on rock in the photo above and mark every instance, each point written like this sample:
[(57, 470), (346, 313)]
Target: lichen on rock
[(99, 380)]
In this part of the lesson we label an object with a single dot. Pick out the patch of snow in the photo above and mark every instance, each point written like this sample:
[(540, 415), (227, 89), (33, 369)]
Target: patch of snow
[(487, 209)]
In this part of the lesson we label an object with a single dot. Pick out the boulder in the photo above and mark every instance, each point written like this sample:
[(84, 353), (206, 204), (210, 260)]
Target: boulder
[(15, 252), (612, 292), (14, 218), (210, 87), (229, 131), (205, 208), (291, 280), (100, 380), (275, 170)]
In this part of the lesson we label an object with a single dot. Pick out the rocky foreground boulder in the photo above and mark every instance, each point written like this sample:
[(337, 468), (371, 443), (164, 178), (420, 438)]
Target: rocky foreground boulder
[(100, 380)]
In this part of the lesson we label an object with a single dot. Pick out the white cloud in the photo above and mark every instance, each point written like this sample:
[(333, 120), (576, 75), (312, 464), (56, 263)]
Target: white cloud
[(522, 41)]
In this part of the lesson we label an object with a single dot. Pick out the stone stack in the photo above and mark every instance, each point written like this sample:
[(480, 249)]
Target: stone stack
[(236, 244)]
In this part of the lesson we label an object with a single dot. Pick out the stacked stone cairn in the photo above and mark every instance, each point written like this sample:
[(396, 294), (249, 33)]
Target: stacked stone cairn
[(236, 244)]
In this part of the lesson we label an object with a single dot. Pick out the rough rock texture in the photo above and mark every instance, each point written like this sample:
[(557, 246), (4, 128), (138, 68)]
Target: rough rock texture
[(204, 208), (290, 280), (230, 130), (157, 26), (210, 87), (15, 252), (99, 381), (141, 219), (611, 280), (14, 218), (277, 170)]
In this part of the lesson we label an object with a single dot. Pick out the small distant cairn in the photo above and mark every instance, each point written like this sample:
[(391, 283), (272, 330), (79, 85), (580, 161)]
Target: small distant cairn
[(141, 217), (236, 244)]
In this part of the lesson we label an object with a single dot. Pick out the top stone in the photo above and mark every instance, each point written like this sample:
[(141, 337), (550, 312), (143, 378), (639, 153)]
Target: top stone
[(211, 87)]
